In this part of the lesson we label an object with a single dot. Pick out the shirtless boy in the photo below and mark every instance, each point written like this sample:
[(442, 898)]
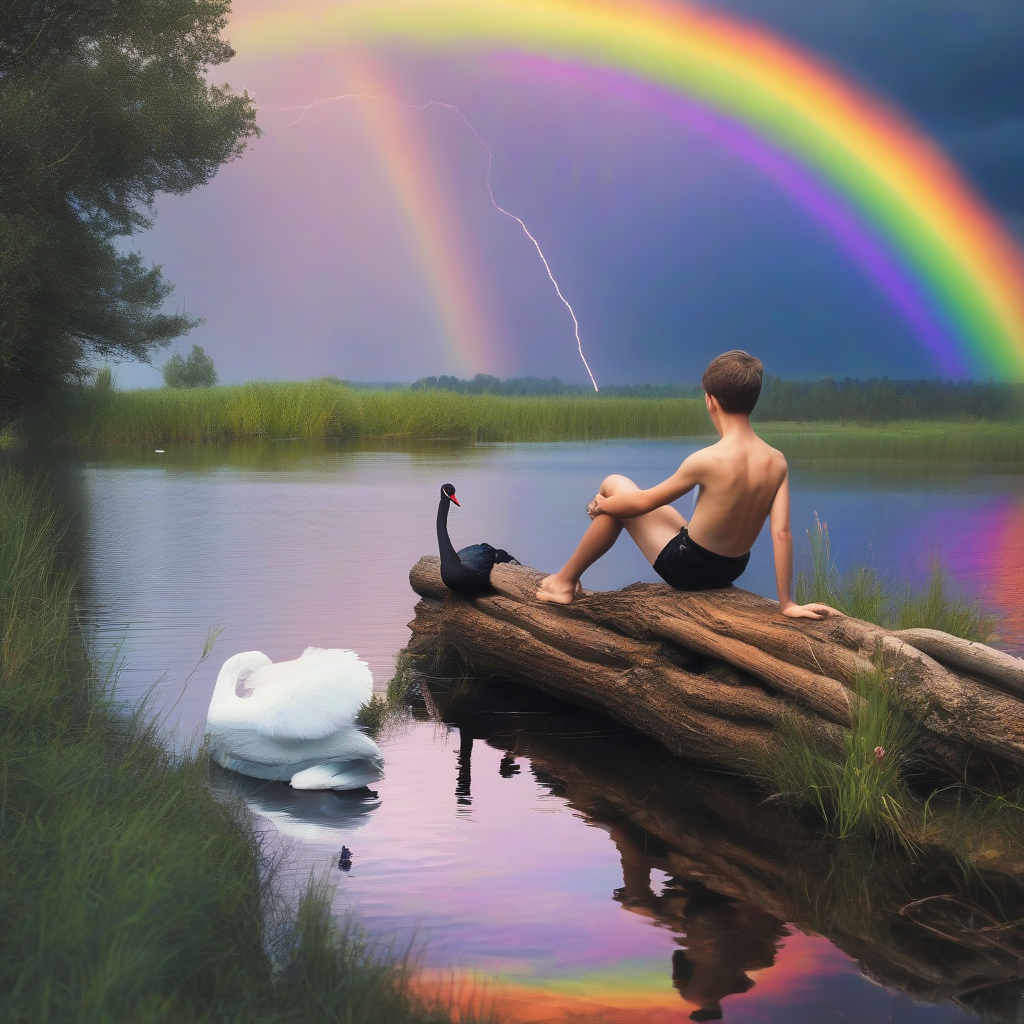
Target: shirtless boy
[(742, 482)]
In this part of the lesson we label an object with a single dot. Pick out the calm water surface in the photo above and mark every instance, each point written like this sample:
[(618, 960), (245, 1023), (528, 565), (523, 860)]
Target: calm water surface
[(575, 867)]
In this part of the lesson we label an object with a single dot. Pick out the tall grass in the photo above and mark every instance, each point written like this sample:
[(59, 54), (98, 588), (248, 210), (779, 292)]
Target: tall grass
[(881, 780), (856, 787), (863, 593), (314, 410), (982, 443), (384, 712), (323, 409), (128, 892)]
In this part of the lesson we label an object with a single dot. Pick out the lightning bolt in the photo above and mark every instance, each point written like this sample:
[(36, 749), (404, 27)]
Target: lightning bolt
[(419, 108)]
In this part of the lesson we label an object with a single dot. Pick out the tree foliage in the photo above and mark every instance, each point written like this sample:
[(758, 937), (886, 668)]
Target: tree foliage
[(484, 384), (104, 104), (195, 371), (869, 401)]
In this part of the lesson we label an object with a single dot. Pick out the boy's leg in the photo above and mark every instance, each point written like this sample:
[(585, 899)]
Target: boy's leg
[(651, 532), (601, 535)]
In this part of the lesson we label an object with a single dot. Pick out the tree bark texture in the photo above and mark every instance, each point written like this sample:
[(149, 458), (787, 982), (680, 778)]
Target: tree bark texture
[(711, 674)]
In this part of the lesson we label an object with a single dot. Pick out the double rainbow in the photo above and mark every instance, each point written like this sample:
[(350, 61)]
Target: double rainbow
[(883, 188)]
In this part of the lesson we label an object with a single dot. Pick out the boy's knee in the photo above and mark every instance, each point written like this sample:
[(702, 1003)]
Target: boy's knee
[(616, 483)]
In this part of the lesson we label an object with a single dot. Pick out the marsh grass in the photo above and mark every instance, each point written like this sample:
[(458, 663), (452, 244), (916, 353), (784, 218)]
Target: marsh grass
[(325, 409), (386, 712), (988, 444), (862, 785), (881, 784), (128, 892), (881, 781), (863, 593)]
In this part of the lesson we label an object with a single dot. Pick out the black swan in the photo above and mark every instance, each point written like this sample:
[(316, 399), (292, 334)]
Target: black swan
[(467, 571)]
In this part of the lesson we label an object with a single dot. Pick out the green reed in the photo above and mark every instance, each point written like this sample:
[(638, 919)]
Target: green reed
[(880, 782), (993, 444), (879, 779), (324, 409), (863, 593), (128, 892), (385, 712), (327, 409), (860, 785)]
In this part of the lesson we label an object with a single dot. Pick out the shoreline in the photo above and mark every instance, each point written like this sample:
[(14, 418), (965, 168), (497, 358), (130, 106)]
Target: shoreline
[(130, 892), (331, 412)]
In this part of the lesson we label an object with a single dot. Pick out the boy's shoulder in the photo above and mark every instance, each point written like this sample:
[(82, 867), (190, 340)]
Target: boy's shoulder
[(721, 449), (758, 442), (709, 451)]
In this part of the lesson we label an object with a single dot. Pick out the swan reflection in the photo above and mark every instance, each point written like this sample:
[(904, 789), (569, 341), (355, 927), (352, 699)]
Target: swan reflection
[(322, 817)]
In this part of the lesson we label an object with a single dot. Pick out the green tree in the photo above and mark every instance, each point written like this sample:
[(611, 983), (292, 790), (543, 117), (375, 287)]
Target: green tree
[(104, 104), (196, 371)]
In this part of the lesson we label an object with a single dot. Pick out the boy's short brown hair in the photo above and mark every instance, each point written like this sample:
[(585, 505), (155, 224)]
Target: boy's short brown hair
[(734, 378)]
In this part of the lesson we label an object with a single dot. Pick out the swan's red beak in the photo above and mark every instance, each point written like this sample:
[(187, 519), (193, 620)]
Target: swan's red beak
[(456, 500)]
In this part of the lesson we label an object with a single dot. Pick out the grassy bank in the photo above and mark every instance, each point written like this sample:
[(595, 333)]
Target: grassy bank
[(325, 409), (883, 780), (864, 593), (128, 893), (983, 443), (320, 410)]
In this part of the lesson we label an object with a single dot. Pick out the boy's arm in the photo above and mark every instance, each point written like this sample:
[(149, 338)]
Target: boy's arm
[(782, 543), (638, 503)]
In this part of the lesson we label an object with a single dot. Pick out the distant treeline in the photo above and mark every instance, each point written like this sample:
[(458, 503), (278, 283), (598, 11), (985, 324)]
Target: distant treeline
[(484, 384), (882, 401), (877, 400)]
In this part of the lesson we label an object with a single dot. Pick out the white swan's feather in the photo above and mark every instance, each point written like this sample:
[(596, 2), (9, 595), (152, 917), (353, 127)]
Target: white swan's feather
[(311, 697), (345, 775), (280, 721)]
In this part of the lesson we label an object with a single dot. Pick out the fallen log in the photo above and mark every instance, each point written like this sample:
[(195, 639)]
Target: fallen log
[(710, 675), (971, 657)]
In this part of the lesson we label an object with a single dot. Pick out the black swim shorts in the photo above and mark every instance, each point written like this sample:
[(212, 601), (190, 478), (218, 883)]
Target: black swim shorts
[(685, 565)]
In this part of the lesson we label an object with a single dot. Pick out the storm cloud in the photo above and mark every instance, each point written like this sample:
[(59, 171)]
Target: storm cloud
[(956, 67)]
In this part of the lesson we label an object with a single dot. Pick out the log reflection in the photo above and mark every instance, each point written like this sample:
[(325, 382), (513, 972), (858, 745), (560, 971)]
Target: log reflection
[(464, 776), (739, 869)]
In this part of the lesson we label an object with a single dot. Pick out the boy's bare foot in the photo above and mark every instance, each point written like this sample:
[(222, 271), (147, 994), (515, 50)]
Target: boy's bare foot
[(555, 591)]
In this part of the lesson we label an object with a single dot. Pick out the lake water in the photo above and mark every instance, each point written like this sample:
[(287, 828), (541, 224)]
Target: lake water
[(573, 867)]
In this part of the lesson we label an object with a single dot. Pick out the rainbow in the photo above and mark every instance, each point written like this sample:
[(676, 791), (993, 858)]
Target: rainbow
[(443, 249), (883, 188)]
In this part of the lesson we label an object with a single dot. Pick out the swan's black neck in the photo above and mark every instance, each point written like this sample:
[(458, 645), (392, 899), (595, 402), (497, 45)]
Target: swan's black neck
[(449, 557)]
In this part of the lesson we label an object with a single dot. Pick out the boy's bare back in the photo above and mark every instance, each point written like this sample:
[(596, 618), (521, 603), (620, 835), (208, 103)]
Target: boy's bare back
[(742, 482), (739, 478)]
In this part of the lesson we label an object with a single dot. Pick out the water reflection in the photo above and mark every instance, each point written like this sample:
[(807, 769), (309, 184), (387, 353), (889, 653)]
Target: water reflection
[(723, 940), (737, 870), (310, 816), (490, 845), (464, 779)]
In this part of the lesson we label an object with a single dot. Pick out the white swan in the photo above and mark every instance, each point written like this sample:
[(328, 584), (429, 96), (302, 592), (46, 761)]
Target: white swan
[(295, 721)]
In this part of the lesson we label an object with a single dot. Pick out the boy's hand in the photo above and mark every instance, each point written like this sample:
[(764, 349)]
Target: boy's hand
[(808, 611)]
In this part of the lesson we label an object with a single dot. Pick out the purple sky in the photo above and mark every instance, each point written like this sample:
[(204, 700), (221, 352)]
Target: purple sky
[(670, 245)]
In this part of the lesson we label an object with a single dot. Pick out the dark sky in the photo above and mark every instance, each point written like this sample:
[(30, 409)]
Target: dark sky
[(304, 260), (956, 67)]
